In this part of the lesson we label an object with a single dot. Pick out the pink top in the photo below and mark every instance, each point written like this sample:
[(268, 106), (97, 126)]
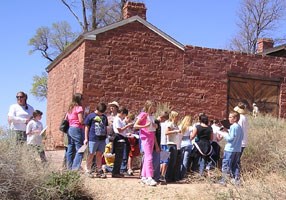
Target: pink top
[(143, 120), (73, 117)]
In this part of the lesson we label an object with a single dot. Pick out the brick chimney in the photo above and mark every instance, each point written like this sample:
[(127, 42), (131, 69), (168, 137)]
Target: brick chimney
[(131, 9), (264, 44)]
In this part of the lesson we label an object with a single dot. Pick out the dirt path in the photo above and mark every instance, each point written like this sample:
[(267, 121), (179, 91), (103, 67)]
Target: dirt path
[(131, 188)]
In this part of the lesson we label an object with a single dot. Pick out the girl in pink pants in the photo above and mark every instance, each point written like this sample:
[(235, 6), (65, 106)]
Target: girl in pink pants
[(146, 122)]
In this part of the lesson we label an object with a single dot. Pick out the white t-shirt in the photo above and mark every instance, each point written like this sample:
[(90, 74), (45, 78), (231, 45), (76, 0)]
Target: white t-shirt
[(172, 138), (186, 141), (18, 116), (118, 123), (243, 122), (216, 130), (152, 127), (164, 127), (34, 138)]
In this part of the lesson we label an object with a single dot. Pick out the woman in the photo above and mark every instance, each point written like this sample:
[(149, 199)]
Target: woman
[(204, 135), (75, 132), (19, 115)]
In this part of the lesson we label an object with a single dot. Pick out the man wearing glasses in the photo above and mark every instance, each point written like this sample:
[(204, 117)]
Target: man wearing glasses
[(19, 115)]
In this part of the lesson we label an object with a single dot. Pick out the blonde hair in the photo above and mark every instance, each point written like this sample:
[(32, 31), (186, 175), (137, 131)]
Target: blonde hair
[(186, 123), (147, 106), (173, 115)]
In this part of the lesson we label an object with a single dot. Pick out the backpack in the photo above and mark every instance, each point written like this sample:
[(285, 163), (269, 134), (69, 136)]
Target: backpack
[(99, 125)]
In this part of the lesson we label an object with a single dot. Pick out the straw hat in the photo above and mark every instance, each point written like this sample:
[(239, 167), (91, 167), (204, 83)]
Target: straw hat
[(239, 110), (114, 103)]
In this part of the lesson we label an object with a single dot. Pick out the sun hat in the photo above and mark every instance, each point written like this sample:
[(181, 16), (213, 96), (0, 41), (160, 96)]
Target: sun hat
[(239, 110), (114, 103)]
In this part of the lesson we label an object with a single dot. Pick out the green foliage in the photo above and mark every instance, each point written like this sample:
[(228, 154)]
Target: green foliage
[(51, 41), (39, 86), (62, 185)]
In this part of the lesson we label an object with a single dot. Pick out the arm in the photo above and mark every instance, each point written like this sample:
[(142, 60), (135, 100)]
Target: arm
[(80, 117), (137, 126), (171, 131), (157, 148), (86, 131), (194, 133)]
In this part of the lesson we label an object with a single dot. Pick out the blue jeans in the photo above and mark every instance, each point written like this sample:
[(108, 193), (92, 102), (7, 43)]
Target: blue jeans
[(156, 165), (185, 160), (75, 141), (230, 164)]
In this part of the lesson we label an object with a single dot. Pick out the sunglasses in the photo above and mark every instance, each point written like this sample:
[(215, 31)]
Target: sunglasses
[(19, 97)]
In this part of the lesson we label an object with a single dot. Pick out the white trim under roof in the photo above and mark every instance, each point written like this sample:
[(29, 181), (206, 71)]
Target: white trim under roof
[(132, 19)]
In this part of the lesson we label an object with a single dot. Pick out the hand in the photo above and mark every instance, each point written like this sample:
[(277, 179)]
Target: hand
[(85, 142), (147, 124)]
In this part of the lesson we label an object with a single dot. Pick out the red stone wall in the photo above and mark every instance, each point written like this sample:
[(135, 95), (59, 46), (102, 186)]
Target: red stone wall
[(63, 80), (207, 71), (132, 64)]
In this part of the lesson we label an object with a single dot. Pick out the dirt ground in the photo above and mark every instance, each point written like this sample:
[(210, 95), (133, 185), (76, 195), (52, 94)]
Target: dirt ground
[(131, 188)]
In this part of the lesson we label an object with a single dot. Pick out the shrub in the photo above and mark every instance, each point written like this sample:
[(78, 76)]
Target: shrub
[(24, 176)]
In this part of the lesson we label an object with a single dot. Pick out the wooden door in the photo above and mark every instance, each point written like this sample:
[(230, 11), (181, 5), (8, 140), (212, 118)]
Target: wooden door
[(265, 93)]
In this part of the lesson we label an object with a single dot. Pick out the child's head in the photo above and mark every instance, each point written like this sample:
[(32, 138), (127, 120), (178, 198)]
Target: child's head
[(186, 123), (130, 118), (37, 114), (122, 112), (204, 119), (101, 107), (233, 117), (149, 107), (173, 117), (164, 116)]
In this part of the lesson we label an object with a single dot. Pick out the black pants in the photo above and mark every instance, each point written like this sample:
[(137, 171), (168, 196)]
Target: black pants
[(119, 144), (171, 170)]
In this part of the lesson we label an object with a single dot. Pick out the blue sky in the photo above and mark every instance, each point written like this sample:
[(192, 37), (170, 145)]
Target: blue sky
[(205, 23)]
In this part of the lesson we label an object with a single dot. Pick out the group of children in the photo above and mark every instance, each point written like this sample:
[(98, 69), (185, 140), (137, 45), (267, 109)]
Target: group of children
[(170, 149)]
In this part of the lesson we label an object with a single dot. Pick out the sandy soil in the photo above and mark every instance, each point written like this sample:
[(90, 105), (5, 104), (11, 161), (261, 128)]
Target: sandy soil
[(132, 188)]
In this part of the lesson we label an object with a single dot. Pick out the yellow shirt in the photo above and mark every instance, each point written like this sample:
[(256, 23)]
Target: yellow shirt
[(109, 158)]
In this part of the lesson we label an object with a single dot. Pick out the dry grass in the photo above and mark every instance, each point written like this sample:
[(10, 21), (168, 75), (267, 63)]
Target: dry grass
[(24, 176), (263, 173)]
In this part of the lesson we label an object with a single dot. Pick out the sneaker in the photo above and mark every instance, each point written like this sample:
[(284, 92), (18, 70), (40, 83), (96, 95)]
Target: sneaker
[(222, 182), (162, 179), (130, 172), (100, 174), (143, 180), (150, 182), (235, 181), (89, 174)]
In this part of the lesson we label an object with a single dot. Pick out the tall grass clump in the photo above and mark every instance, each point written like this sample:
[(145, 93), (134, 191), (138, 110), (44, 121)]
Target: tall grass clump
[(263, 162), (24, 176)]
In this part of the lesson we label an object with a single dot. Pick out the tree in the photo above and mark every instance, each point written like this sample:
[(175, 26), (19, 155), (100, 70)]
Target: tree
[(95, 13), (39, 86), (52, 41), (257, 19)]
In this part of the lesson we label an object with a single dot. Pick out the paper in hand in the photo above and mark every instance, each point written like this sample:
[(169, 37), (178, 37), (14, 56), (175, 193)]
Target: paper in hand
[(82, 148), (43, 132)]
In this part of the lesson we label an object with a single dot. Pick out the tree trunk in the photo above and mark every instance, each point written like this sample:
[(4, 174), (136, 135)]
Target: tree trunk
[(93, 21)]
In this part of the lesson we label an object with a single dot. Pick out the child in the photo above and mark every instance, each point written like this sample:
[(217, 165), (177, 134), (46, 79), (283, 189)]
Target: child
[(172, 138), (146, 122), (95, 135), (186, 145), (232, 149), (33, 131), (120, 140), (133, 140), (108, 156)]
